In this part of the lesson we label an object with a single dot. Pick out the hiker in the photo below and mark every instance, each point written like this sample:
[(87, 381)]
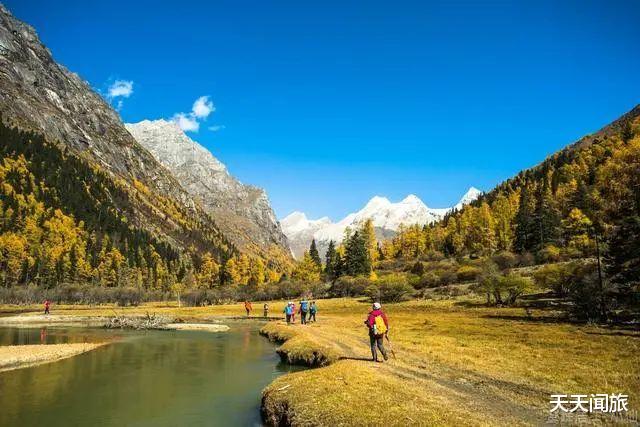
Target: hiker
[(247, 306), (47, 304), (304, 309), (287, 311), (266, 309), (378, 326), (313, 309), (293, 311)]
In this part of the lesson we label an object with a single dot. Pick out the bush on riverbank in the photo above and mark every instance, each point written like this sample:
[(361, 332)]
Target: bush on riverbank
[(77, 294)]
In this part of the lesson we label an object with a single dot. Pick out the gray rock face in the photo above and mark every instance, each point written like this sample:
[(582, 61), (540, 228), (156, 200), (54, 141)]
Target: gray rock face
[(37, 93), (243, 212)]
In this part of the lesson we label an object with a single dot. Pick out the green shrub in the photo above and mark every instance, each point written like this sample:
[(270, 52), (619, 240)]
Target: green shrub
[(467, 273), (557, 277), (418, 268), (390, 288), (348, 286), (503, 289), (446, 277), (548, 254), (428, 280), (505, 260)]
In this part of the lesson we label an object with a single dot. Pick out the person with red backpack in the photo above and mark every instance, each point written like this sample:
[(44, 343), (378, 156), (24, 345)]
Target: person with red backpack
[(47, 304), (378, 325)]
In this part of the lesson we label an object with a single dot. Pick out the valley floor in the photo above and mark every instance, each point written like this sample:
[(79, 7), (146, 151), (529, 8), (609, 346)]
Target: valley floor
[(457, 362)]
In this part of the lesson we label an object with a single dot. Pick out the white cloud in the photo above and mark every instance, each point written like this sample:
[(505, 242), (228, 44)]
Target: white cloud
[(186, 122), (123, 88), (216, 128), (202, 107)]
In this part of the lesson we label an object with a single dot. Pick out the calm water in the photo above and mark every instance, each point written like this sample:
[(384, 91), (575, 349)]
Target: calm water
[(153, 378)]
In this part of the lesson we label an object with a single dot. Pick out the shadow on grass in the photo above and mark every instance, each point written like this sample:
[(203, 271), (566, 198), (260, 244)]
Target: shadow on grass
[(622, 333), (547, 319), (365, 359)]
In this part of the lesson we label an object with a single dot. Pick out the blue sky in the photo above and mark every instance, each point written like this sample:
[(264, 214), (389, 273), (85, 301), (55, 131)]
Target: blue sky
[(327, 104)]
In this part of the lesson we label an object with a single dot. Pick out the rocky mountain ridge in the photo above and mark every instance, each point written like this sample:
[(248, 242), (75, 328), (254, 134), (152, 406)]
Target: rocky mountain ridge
[(243, 212)]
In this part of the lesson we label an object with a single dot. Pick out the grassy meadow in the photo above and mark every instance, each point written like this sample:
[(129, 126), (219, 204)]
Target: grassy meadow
[(457, 361)]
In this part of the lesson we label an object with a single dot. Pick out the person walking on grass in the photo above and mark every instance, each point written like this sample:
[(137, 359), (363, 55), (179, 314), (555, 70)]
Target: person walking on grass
[(288, 311), (266, 309), (378, 325), (247, 306), (293, 312), (47, 305), (313, 309), (304, 309)]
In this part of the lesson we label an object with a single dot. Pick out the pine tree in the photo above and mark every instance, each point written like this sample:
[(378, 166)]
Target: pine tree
[(331, 261), (313, 252), (547, 218), (356, 256), (524, 222), (622, 257)]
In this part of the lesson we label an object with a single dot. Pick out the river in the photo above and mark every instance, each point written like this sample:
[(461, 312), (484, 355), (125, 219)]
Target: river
[(148, 378)]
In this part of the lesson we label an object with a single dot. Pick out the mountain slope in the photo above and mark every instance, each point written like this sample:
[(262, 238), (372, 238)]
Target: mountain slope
[(243, 212), (581, 200), (386, 216), (39, 94), (81, 169)]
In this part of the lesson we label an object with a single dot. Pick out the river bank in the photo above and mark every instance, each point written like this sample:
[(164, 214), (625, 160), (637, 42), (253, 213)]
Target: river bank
[(23, 356), (458, 363), (131, 321)]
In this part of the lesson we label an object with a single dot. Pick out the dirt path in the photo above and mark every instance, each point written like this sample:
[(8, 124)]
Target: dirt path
[(501, 400)]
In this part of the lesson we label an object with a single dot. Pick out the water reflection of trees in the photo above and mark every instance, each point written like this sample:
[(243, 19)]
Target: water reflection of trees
[(155, 374)]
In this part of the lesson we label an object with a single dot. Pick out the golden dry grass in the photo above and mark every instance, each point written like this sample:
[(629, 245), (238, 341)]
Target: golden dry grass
[(458, 362)]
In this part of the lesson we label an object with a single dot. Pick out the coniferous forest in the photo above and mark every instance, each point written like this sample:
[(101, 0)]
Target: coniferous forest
[(69, 226)]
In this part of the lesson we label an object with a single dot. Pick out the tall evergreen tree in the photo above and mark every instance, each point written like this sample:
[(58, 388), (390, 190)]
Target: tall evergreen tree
[(622, 257), (331, 261), (524, 239), (547, 218), (313, 253), (357, 256)]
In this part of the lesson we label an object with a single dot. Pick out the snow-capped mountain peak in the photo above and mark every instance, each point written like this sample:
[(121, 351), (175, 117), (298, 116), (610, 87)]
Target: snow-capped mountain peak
[(472, 194), (411, 199), (298, 221), (386, 216)]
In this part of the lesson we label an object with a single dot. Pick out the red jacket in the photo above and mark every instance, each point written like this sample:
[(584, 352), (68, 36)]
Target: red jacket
[(371, 320)]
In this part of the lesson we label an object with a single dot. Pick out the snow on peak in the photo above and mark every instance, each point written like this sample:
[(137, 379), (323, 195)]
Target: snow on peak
[(386, 216), (294, 217), (471, 195), (377, 202), (411, 199)]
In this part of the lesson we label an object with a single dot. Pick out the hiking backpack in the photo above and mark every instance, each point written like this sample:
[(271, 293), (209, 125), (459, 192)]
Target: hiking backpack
[(379, 327)]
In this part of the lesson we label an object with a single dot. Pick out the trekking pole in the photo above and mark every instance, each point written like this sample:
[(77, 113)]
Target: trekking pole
[(393, 353)]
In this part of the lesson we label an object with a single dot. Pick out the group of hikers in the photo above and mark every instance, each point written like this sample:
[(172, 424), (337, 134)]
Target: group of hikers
[(306, 309), (376, 322)]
